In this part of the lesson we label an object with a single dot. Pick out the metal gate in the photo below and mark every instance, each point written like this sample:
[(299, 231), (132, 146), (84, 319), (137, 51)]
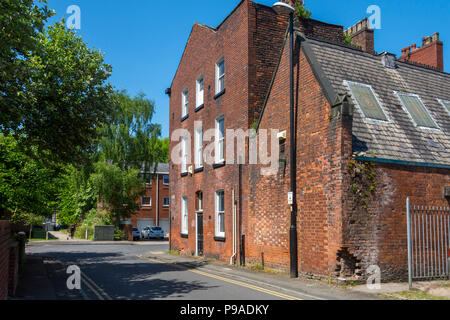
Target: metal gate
[(428, 242)]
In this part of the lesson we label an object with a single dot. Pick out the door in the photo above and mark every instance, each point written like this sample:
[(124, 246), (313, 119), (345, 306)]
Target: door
[(200, 234)]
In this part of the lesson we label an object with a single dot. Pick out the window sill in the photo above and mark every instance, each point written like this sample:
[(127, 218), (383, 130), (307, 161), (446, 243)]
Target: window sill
[(198, 170), (221, 93), (184, 174), (219, 165), (184, 118), (220, 239), (200, 107), (184, 236)]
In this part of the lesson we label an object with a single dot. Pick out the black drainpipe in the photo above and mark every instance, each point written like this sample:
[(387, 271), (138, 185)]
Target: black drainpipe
[(293, 149)]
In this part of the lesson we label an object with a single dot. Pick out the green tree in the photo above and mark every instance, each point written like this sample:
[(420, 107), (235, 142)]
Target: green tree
[(21, 22), (27, 185), (55, 94), (77, 196), (118, 189), (131, 140)]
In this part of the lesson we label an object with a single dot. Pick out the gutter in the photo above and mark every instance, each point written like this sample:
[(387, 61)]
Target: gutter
[(405, 163)]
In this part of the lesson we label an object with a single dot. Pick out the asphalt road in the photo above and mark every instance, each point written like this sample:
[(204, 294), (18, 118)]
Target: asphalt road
[(124, 272)]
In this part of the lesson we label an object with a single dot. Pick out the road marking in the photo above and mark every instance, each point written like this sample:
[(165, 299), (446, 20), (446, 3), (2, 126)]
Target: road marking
[(239, 283), (92, 289), (243, 284), (84, 275), (91, 284)]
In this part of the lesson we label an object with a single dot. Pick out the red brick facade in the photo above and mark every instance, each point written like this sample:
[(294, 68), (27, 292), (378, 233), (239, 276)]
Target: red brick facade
[(4, 258), (339, 233), (251, 40), (157, 190)]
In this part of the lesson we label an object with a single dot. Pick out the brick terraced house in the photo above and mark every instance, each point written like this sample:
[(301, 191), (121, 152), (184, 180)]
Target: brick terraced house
[(154, 205), (371, 130)]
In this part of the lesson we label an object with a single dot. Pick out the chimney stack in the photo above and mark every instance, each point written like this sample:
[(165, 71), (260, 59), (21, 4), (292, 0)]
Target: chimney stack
[(431, 53), (362, 36)]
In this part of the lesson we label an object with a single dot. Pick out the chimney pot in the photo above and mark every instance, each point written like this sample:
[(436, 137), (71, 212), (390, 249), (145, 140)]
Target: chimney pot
[(413, 46), (436, 36), (426, 40)]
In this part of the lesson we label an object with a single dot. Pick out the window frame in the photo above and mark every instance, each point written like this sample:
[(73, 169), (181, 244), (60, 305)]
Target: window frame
[(218, 232), (365, 117), (184, 155), (146, 205), (184, 216), (219, 76), (399, 93), (444, 102), (219, 141), (198, 136), (199, 93), (168, 202), (184, 103), (168, 178)]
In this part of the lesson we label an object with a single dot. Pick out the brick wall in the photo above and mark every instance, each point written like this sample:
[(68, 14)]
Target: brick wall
[(13, 271), (4, 258), (377, 236), (150, 212), (205, 46), (322, 144)]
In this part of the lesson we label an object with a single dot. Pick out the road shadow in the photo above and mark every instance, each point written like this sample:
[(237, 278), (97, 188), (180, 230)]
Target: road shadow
[(127, 278)]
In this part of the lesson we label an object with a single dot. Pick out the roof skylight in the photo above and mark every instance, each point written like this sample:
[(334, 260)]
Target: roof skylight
[(446, 104), (367, 101), (417, 110)]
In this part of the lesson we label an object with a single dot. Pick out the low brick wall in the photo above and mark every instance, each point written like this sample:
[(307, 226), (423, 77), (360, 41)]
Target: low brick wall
[(5, 233), (13, 271)]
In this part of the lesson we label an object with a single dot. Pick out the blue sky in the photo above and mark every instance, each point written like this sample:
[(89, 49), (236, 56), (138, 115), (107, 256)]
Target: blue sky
[(144, 39)]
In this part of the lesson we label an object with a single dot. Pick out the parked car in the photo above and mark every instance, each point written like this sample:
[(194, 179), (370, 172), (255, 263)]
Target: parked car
[(152, 233), (136, 234)]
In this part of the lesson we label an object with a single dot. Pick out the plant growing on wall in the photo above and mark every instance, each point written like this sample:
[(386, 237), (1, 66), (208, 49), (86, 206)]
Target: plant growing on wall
[(301, 11), (362, 175)]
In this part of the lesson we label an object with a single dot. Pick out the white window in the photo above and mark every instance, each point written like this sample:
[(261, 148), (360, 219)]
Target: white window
[(220, 214), (184, 215), (166, 180), (220, 75), (220, 140), (184, 103), (200, 92), (146, 201), (199, 147), (184, 154), (147, 177), (166, 202), (199, 201)]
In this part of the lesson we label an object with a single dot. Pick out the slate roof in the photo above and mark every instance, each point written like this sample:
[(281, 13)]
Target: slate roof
[(400, 139), (162, 168)]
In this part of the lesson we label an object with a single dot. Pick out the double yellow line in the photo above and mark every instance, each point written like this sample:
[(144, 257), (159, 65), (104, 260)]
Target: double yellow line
[(95, 288), (239, 283)]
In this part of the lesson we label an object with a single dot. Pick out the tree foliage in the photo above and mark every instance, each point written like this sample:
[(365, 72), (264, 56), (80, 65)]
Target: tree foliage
[(131, 139), (53, 89), (118, 189), (27, 185)]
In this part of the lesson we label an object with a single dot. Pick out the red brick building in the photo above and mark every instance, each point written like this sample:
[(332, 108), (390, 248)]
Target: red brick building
[(370, 132), (154, 205)]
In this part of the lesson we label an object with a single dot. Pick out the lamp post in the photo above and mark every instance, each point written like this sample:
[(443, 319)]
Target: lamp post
[(284, 7)]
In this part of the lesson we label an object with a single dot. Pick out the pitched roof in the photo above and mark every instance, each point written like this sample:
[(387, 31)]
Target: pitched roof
[(161, 168), (399, 139)]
